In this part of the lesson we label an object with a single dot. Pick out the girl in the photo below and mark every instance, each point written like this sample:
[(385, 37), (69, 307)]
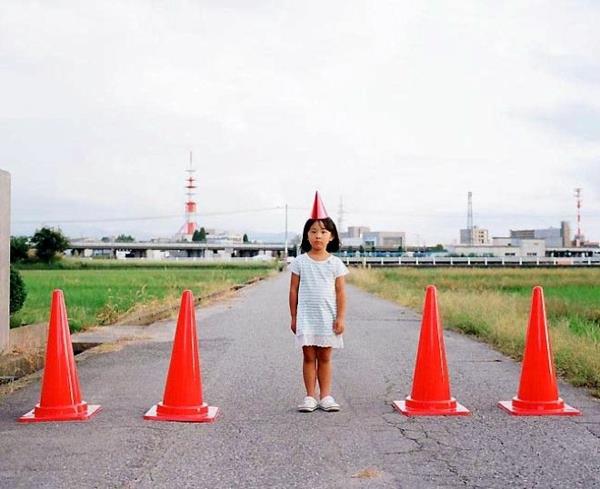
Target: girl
[(318, 306)]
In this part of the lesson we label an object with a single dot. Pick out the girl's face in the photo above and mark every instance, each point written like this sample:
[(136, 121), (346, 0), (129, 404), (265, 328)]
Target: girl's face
[(318, 236)]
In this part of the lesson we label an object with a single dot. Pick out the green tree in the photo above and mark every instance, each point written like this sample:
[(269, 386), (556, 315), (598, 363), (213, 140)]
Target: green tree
[(202, 234), (245, 238), (18, 292), (196, 236), (49, 243), (124, 238), (19, 248)]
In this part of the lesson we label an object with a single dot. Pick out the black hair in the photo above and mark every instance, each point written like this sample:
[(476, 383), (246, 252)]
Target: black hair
[(332, 246)]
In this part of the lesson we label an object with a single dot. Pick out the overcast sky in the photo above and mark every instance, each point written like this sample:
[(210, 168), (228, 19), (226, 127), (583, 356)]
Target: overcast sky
[(400, 108)]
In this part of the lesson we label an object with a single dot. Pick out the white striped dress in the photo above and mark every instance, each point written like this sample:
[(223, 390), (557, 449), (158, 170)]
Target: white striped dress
[(317, 307)]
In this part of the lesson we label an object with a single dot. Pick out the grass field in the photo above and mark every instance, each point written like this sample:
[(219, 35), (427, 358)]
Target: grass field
[(493, 305), (102, 292)]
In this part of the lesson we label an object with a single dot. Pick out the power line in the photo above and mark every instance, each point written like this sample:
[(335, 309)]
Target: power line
[(145, 218), (353, 212), (457, 214)]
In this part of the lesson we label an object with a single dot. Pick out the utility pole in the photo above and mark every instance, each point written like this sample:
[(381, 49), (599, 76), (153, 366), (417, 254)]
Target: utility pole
[(4, 259), (285, 253), (470, 217), (341, 215), (579, 239)]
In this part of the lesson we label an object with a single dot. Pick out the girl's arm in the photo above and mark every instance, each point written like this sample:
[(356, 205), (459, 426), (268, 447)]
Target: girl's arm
[(294, 285), (340, 297)]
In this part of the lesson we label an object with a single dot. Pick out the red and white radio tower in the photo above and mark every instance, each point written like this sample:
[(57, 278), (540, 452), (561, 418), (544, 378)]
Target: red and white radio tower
[(187, 230)]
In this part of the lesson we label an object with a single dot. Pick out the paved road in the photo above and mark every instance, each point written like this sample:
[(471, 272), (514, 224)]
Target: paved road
[(251, 370)]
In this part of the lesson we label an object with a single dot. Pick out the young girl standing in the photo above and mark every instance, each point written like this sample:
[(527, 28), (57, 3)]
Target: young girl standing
[(318, 306)]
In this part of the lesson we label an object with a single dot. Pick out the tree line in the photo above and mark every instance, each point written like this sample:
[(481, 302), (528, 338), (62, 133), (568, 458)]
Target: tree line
[(46, 246)]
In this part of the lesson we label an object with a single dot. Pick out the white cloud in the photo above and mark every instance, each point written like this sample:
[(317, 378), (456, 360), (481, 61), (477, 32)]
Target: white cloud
[(398, 106)]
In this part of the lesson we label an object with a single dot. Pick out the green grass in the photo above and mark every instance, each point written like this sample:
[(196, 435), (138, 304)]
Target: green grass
[(493, 304), (103, 264), (102, 296)]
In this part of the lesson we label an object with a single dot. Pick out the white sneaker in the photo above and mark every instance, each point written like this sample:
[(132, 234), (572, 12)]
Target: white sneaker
[(308, 405), (328, 404)]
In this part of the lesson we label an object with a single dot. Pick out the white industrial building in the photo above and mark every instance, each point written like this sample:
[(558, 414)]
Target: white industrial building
[(501, 246), (521, 242), (553, 237)]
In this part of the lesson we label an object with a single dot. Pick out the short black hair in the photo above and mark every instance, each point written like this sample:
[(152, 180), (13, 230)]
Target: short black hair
[(332, 246)]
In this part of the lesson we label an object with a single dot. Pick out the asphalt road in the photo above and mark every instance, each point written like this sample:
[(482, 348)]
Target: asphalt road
[(251, 370)]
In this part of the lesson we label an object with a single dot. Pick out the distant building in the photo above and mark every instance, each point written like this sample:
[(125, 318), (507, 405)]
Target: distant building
[(566, 233), (553, 237), (162, 240), (356, 231), (474, 236), (385, 239), (224, 237), (363, 236), (351, 242)]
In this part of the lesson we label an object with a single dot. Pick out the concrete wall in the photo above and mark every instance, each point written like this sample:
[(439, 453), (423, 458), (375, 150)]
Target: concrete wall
[(4, 257), (27, 347), (29, 338)]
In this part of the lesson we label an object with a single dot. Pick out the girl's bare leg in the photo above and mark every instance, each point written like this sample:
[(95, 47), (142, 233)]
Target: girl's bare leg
[(309, 369), (324, 370)]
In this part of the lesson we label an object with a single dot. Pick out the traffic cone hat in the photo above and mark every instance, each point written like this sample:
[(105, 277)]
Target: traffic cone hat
[(318, 209), (538, 390), (430, 394), (182, 400), (60, 399)]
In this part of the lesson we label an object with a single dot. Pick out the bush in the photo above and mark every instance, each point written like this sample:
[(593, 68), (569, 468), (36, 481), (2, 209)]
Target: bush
[(18, 292)]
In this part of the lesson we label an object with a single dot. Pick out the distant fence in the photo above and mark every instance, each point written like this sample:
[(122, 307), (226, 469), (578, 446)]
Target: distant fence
[(449, 261)]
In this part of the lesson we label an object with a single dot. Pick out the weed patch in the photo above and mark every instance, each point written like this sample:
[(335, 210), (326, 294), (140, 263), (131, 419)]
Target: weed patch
[(106, 295), (493, 305)]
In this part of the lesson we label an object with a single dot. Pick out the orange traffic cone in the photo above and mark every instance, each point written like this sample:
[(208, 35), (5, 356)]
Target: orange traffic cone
[(431, 387), (61, 397), (182, 400), (538, 391)]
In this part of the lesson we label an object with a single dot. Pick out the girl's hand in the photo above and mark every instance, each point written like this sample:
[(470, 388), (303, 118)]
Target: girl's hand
[(339, 326), (293, 325)]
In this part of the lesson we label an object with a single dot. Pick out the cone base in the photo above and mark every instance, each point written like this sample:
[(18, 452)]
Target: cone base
[(565, 410), (208, 417), (91, 410), (459, 410)]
